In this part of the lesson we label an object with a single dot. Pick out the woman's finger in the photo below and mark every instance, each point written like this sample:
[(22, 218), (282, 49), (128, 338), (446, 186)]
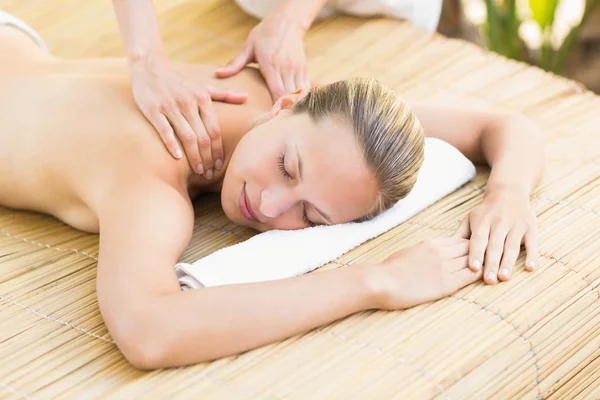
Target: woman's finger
[(459, 263), (512, 248), (451, 240), (464, 229), (493, 253), (478, 243), (457, 250), (531, 246), (464, 277)]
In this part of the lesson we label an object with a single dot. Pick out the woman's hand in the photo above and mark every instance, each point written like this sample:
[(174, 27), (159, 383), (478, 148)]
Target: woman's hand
[(497, 227), (427, 271), (276, 45), (175, 103)]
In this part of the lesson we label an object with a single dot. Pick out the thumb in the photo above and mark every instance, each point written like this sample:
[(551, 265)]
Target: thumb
[(236, 64)]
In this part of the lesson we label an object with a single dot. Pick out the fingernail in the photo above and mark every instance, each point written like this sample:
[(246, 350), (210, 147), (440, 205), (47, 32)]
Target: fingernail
[(491, 276), (476, 264), (178, 153), (504, 272), (218, 164), (531, 264), (199, 168), (209, 174)]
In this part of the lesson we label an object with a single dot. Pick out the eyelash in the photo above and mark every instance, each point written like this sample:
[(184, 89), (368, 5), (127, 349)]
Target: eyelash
[(281, 160), (281, 164)]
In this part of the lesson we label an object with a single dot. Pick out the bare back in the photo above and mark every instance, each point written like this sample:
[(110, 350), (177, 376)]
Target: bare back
[(67, 128)]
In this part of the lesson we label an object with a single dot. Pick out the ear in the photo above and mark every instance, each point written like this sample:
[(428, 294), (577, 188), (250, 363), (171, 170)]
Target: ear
[(286, 102)]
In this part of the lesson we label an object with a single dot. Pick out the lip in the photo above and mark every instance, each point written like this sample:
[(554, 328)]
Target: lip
[(246, 206)]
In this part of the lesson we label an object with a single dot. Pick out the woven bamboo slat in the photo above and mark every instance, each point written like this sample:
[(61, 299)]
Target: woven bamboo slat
[(534, 337)]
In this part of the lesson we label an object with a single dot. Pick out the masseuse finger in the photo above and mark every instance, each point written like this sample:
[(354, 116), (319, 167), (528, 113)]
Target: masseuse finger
[(203, 142), (244, 57), (189, 109), (274, 82), (493, 253), (512, 248), (215, 145), (302, 79), (227, 96), (186, 135), (164, 129), (288, 77)]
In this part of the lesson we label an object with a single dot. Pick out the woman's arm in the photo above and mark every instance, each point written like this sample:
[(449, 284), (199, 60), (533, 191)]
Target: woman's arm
[(512, 146), (156, 325)]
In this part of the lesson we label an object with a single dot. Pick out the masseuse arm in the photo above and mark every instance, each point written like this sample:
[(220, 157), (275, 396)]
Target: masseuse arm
[(512, 146), (169, 98), (146, 227)]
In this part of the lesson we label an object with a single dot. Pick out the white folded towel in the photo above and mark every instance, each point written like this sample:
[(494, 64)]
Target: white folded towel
[(9, 19), (422, 13), (282, 254)]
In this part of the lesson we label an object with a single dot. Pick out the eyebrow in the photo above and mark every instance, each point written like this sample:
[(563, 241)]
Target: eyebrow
[(300, 164)]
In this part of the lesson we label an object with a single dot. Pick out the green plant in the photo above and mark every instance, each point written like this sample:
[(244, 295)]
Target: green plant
[(502, 32)]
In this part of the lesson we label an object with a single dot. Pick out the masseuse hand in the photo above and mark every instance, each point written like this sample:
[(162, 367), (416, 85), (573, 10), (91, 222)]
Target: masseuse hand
[(276, 45), (497, 227), (175, 103), (427, 271)]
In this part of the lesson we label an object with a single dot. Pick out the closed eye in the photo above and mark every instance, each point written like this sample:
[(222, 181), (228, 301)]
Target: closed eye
[(307, 221), (287, 175), (281, 163)]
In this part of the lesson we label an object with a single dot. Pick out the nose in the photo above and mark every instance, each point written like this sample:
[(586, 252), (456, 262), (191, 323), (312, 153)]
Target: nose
[(276, 200)]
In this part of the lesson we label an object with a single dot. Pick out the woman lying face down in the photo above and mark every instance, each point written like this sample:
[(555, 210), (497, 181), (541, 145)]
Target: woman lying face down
[(342, 152)]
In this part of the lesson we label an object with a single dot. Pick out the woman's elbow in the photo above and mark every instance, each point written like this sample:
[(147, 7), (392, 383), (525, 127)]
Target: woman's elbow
[(141, 354), (139, 343)]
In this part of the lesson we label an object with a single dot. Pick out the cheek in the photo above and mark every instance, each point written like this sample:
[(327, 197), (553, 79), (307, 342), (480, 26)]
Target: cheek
[(289, 221)]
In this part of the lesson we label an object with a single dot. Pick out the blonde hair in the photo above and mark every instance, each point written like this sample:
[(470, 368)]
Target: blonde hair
[(389, 134)]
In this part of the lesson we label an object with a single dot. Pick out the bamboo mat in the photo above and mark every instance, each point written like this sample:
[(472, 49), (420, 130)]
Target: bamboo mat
[(535, 337)]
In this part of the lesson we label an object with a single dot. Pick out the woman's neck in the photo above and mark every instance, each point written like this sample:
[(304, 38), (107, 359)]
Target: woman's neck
[(198, 184)]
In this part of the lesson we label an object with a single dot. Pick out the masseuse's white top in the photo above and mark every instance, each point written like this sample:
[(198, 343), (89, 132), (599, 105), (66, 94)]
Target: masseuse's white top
[(423, 13)]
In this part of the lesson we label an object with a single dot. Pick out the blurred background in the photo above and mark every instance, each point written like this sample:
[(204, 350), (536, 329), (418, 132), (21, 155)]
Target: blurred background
[(562, 36)]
